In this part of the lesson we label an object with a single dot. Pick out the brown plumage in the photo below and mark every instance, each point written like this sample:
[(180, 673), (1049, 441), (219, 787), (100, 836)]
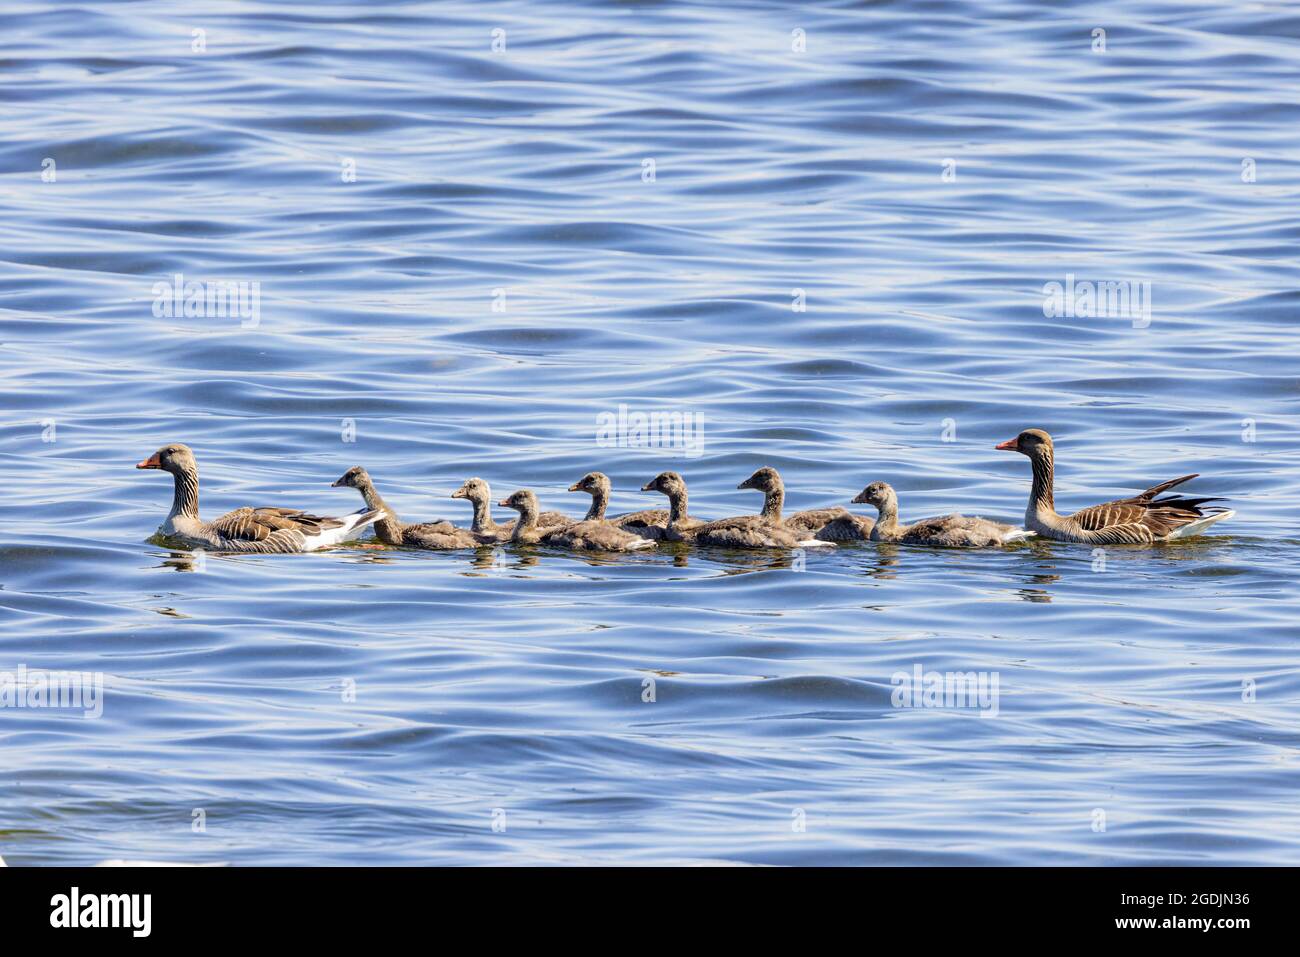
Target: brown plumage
[(945, 531), (677, 526), (485, 530), (740, 532), (809, 522), (746, 531), (846, 528), (435, 536), (1139, 520), (587, 535), (645, 523), (262, 530)]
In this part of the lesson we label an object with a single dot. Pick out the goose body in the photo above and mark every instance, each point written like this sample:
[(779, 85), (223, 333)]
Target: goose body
[(809, 522), (943, 531), (262, 530), (677, 525), (389, 529), (595, 535), (646, 523), (1142, 519), (742, 531), (487, 532), (835, 524), (846, 528), (749, 531)]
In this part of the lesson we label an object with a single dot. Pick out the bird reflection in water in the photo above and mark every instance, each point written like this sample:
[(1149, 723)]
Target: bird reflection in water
[(884, 562)]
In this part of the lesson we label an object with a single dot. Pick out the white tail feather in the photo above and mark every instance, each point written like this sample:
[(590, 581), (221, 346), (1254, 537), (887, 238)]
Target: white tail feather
[(1200, 525), (642, 543), (1018, 535), (332, 536), (815, 543)]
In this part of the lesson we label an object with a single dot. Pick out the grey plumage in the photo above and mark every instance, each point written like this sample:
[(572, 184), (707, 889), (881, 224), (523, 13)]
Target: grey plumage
[(586, 535), (433, 536), (259, 530), (1141, 519), (488, 532), (944, 531)]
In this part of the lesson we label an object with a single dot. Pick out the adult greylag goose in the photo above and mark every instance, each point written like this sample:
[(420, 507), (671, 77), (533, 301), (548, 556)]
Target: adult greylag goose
[(594, 535), (678, 526), (389, 529), (948, 531), (479, 494), (1140, 520), (265, 530), (597, 485), (835, 524)]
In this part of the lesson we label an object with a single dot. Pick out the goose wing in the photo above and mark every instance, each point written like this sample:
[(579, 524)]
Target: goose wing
[(814, 519), (438, 536), (1141, 517), (260, 524), (647, 516), (847, 528), (647, 523), (430, 528), (593, 535)]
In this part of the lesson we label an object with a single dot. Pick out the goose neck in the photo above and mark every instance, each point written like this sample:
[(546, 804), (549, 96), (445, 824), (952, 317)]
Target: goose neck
[(388, 527), (1040, 495), (185, 497), (482, 513), (676, 506), (599, 502), (773, 500), (527, 522)]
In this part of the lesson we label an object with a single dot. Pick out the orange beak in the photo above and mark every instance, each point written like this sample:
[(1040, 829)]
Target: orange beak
[(150, 463)]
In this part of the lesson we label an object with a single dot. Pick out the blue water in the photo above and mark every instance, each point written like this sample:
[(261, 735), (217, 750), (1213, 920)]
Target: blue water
[(502, 270)]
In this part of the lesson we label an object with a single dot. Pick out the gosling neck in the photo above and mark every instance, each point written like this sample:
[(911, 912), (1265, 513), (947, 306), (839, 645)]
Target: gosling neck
[(773, 499), (482, 513), (527, 521), (388, 527), (372, 498), (599, 502), (676, 506), (888, 509)]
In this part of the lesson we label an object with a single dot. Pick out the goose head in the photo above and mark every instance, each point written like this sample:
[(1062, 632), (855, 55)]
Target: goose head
[(593, 483), (475, 489), (766, 479), (667, 483), (1031, 442), (879, 494), (174, 458), (522, 501), (355, 477)]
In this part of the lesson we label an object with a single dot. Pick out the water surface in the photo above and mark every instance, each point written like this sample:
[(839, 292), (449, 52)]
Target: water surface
[(838, 266)]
